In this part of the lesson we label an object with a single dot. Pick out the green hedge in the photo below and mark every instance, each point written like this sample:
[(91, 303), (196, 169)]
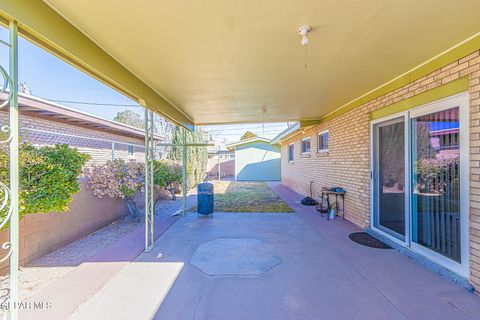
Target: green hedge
[(197, 157), (48, 176)]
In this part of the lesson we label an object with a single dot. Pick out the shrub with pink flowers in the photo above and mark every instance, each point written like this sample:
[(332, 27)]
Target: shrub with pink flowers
[(117, 179)]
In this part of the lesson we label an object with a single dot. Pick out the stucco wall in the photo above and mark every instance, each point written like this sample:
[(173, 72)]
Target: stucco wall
[(347, 163), (257, 161)]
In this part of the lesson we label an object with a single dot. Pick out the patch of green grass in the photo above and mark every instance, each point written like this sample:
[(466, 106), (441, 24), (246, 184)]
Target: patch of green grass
[(239, 196)]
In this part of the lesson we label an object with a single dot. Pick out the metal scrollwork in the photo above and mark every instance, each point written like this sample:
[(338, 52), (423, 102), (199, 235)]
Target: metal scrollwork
[(4, 190), (6, 129), (5, 207), (6, 246), (7, 83), (5, 204)]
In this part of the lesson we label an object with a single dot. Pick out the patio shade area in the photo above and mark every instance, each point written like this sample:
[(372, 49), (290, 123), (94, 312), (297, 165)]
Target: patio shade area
[(385, 99)]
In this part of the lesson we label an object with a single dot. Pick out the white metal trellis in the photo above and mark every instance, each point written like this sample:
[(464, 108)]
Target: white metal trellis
[(184, 145), (149, 201), (9, 201)]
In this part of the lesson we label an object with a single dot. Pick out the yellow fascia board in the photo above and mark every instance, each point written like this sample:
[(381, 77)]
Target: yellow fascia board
[(308, 123), (443, 91), (455, 53), (46, 28)]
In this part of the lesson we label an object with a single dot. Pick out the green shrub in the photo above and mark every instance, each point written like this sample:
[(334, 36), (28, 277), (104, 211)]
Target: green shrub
[(48, 176), (167, 174)]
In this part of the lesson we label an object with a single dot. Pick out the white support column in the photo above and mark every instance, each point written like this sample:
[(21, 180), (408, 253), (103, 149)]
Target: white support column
[(14, 172), (149, 201), (219, 170), (184, 171)]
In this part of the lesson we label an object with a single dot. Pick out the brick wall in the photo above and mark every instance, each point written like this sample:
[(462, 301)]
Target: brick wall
[(46, 232), (96, 143), (347, 162)]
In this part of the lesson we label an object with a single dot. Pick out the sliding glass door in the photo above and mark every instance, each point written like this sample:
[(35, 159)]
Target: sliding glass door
[(389, 177), (420, 180), (436, 182)]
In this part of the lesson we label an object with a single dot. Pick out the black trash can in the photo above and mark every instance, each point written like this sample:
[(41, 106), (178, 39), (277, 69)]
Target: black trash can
[(205, 198)]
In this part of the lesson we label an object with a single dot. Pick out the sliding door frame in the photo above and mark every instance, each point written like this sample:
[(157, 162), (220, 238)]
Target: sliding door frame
[(462, 102), (374, 198)]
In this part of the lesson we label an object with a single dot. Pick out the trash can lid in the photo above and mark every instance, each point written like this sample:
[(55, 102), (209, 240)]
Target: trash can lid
[(206, 186)]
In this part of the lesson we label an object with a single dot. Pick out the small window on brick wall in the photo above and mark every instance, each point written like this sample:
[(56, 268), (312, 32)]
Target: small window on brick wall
[(290, 152), (130, 150), (306, 145), (323, 141)]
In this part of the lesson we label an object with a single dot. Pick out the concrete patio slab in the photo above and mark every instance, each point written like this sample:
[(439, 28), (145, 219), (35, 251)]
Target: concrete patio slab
[(235, 257), (135, 292), (78, 286), (323, 274), (312, 282)]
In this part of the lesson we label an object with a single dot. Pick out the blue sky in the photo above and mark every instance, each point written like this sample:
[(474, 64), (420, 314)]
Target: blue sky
[(50, 78)]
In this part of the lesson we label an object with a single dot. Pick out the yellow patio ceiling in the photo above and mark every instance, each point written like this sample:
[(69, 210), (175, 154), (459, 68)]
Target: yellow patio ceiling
[(230, 61)]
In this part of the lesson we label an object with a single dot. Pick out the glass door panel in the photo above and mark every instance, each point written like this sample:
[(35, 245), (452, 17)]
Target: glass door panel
[(389, 177), (435, 164)]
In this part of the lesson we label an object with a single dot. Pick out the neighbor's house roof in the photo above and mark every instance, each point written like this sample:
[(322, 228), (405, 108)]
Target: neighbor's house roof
[(287, 133), (48, 110), (232, 146), (297, 128)]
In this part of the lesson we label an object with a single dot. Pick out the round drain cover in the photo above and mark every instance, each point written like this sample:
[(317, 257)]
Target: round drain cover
[(365, 239)]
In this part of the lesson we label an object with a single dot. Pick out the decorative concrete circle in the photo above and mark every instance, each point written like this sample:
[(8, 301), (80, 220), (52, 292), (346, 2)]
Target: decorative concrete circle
[(235, 257)]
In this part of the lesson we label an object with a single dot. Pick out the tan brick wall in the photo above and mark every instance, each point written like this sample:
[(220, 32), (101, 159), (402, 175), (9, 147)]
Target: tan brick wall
[(347, 163)]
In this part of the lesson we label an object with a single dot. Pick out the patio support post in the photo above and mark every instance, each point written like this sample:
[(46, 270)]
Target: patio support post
[(14, 171), (219, 170), (184, 171), (149, 201)]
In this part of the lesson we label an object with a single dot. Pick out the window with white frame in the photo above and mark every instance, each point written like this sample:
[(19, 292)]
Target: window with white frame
[(290, 152), (130, 150), (323, 141), (306, 145)]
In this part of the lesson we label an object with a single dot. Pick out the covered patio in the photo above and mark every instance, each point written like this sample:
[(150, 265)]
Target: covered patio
[(334, 67)]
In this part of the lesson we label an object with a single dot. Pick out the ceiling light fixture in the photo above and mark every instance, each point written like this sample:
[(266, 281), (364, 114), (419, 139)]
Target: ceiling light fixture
[(303, 31)]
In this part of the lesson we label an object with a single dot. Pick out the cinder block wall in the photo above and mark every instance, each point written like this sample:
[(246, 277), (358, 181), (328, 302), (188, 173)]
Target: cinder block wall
[(347, 163), (227, 167), (43, 233)]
